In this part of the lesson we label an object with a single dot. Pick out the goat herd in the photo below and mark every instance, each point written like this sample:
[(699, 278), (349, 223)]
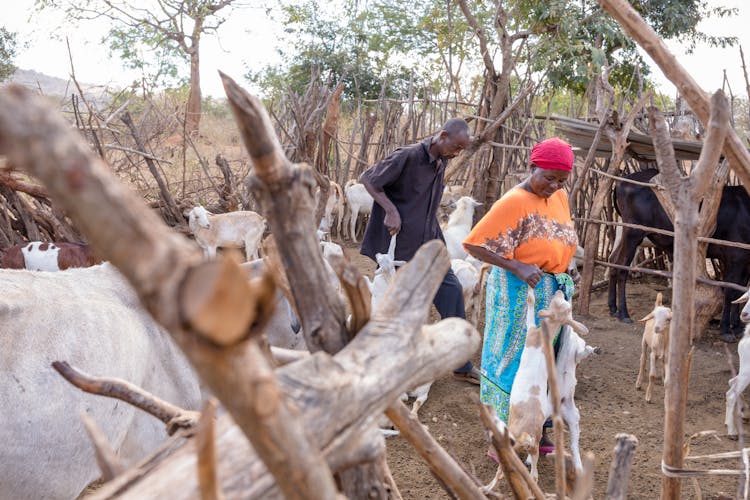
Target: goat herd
[(92, 318)]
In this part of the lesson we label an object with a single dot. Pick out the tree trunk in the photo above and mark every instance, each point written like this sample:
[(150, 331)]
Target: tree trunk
[(193, 111)]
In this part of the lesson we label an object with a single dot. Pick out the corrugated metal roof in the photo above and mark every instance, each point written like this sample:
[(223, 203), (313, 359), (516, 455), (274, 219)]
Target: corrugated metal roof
[(581, 134)]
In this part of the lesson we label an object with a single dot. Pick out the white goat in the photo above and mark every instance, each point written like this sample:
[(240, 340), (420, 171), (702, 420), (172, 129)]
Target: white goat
[(384, 273), (739, 383), (93, 319), (655, 339), (470, 276), (335, 202), (448, 200), (359, 200), (329, 248), (232, 229), (459, 226), (530, 405)]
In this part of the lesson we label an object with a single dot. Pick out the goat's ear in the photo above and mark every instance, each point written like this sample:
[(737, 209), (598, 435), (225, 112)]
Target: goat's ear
[(647, 317), (477, 203), (742, 298)]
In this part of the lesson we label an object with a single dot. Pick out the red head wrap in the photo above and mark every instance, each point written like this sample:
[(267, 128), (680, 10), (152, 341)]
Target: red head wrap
[(553, 154)]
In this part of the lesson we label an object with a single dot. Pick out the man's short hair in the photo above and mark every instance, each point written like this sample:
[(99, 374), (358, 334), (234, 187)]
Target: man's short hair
[(455, 126)]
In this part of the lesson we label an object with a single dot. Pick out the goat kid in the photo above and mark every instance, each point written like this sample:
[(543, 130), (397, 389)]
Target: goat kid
[(739, 383), (530, 405), (655, 340), (232, 229)]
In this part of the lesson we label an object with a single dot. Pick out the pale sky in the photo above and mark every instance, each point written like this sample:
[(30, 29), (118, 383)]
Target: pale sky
[(247, 40)]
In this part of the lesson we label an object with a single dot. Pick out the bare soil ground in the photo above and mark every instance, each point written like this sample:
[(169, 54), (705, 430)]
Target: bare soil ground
[(607, 400)]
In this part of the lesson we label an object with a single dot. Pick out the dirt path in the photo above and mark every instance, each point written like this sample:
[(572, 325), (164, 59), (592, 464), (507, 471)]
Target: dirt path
[(607, 400)]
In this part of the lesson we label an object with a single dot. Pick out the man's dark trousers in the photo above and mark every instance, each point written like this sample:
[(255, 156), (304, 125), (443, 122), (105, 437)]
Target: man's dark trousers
[(449, 301)]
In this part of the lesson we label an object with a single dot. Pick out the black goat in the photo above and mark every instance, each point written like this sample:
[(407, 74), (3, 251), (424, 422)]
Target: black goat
[(639, 205)]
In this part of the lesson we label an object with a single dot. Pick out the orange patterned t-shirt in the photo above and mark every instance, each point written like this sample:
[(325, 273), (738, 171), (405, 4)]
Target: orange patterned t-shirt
[(528, 228)]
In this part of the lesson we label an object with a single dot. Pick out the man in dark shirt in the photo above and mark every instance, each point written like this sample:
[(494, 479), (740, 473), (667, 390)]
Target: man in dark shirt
[(406, 187)]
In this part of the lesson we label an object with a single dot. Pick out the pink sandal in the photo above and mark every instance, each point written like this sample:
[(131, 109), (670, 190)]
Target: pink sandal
[(546, 449)]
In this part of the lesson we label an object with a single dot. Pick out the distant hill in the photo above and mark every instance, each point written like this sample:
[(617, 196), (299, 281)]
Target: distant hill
[(59, 87)]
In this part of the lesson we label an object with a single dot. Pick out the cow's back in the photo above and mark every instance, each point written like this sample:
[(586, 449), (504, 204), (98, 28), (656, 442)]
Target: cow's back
[(92, 319), (639, 205)]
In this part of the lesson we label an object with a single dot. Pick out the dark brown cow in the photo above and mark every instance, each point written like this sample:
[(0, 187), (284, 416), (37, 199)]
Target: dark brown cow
[(639, 205), (42, 256)]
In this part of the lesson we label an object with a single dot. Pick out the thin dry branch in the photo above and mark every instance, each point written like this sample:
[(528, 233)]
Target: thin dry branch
[(108, 461), (173, 416), (206, 449), (452, 477)]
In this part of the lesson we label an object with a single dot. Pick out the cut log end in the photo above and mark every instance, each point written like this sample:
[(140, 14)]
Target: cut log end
[(218, 303)]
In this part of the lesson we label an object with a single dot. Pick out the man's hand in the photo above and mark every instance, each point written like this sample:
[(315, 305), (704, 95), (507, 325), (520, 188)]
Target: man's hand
[(392, 222)]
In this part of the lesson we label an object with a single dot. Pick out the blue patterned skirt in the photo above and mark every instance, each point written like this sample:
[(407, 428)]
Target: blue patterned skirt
[(505, 330)]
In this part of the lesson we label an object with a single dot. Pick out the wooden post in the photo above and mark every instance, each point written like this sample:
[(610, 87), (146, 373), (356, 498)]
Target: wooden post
[(619, 471), (685, 194)]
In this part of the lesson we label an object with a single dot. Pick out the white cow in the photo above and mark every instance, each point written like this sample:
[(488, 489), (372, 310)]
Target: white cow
[(92, 319)]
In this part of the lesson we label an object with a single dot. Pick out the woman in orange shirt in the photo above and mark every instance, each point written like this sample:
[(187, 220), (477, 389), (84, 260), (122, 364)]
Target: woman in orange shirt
[(529, 239)]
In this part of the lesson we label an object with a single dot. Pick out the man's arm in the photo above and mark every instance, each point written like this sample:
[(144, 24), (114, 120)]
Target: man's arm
[(392, 217)]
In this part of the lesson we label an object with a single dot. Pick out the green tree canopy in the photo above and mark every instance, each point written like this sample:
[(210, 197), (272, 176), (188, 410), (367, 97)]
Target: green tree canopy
[(8, 46)]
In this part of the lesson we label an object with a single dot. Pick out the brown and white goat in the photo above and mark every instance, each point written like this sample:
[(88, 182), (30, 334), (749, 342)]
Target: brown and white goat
[(530, 404), (42, 256)]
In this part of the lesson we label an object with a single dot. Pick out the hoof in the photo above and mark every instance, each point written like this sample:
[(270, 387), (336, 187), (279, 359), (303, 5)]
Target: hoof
[(626, 319), (728, 338)]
